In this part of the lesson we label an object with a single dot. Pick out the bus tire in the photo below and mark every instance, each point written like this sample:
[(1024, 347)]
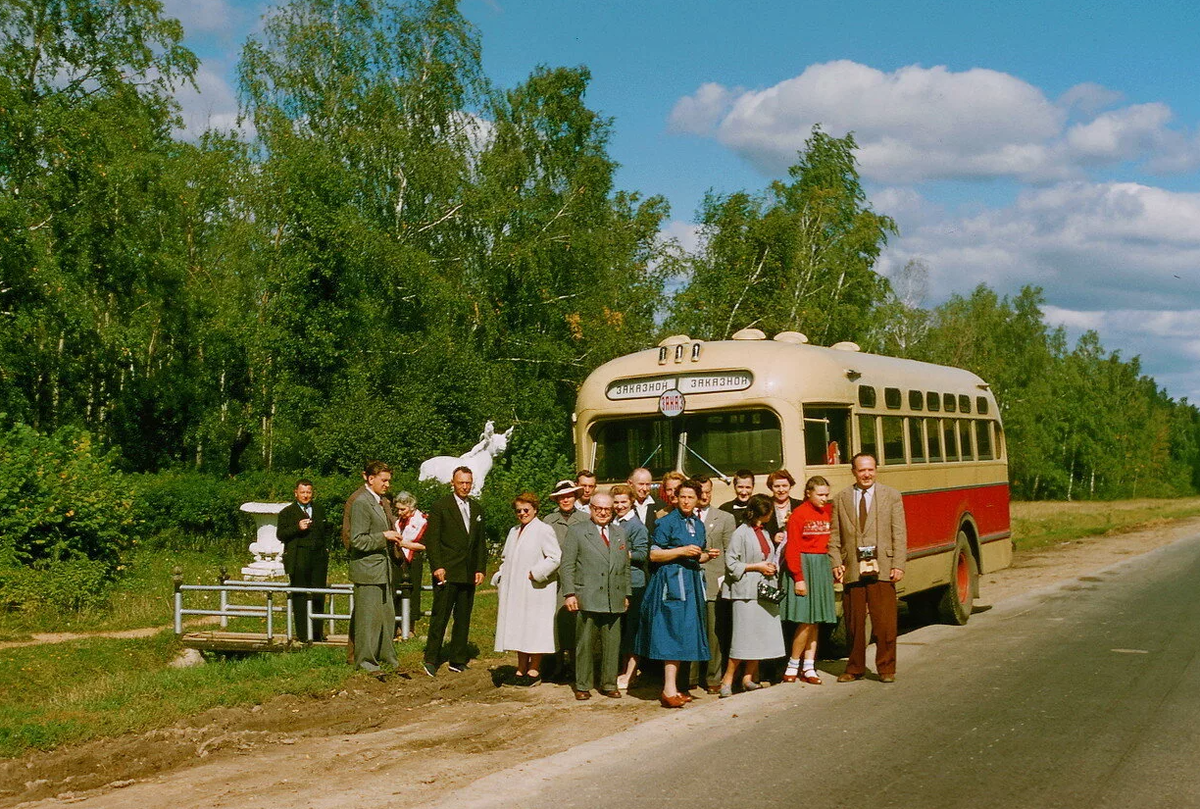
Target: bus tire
[(959, 596)]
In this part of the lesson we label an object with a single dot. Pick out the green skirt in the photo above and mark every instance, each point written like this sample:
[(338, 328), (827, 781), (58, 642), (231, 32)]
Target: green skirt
[(818, 606)]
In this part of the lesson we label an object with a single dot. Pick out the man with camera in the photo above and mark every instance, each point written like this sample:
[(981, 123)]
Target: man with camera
[(868, 546)]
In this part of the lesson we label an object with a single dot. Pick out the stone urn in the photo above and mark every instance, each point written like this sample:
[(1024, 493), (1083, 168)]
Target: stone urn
[(266, 547)]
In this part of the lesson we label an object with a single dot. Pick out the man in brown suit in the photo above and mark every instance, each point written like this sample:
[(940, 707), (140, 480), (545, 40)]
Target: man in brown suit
[(868, 545)]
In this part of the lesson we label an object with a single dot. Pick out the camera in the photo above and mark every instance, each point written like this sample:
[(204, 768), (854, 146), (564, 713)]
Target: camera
[(868, 564)]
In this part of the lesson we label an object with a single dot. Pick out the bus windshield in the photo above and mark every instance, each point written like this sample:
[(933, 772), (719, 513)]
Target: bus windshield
[(717, 441)]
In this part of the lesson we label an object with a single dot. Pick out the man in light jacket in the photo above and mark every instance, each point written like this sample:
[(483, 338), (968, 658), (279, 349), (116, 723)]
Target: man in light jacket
[(868, 546)]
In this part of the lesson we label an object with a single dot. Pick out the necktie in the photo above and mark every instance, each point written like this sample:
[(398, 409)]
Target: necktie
[(604, 536), (862, 510), (466, 515)]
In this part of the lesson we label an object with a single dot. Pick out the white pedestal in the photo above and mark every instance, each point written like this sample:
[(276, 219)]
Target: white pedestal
[(266, 547)]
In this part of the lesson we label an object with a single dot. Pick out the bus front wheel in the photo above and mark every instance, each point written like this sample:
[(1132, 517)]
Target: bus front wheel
[(959, 595)]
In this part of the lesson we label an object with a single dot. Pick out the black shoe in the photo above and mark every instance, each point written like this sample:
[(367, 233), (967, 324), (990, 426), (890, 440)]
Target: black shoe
[(429, 669), (457, 668)]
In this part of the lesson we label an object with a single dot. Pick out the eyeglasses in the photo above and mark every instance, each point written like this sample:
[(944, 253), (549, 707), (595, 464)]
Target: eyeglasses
[(522, 510), (601, 508)]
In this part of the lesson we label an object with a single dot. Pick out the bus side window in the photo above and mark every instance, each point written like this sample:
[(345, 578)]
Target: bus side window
[(999, 439), (964, 440), (893, 440), (866, 435), (826, 435), (916, 440), (934, 430), (983, 438), (950, 431)]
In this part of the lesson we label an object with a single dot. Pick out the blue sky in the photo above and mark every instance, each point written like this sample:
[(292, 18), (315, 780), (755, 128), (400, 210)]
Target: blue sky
[(1015, 143)]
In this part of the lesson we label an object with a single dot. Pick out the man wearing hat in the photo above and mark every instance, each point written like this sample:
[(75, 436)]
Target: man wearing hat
[(565, 494)]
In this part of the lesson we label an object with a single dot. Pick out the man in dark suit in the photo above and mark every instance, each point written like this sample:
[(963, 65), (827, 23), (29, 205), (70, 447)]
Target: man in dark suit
[(457, 556), (596, 585), (868, 546), (643, 502), (303, 532)]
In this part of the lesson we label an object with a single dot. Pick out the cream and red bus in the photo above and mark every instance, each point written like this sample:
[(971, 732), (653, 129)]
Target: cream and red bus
[(763, 404)]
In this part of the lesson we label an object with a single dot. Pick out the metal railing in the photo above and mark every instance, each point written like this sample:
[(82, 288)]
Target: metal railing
[(277, 600)]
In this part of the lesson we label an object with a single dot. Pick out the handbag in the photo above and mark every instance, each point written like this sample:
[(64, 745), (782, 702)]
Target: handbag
[(769, 591)]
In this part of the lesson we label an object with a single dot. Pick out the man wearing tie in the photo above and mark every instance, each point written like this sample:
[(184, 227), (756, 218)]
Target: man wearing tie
[(457, 555), (302, 530), (868, 546), (718, 528), (596, 587), (371, 536)]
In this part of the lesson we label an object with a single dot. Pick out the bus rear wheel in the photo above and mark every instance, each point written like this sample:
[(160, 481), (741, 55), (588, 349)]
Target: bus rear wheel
[(959, 596)]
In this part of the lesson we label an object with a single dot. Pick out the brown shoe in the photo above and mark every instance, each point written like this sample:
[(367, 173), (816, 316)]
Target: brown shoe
[(614, 694), (582, 695), (789, 678), (687, 697), (848, 677), (812, 679), (676, 701), (887, 678), (712, 689)]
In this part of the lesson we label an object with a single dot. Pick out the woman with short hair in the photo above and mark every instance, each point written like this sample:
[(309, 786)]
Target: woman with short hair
[(750, 559), (528, 591), (674, 610)]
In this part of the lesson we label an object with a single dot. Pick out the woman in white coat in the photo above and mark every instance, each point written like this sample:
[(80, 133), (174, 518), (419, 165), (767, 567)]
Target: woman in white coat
[(528, 590)]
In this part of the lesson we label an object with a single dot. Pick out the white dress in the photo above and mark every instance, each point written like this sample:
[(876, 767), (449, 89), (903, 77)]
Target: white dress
[(525, 617)]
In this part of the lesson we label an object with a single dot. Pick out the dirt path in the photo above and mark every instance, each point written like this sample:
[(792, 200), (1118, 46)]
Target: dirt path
[(404, 741), (40, 638)]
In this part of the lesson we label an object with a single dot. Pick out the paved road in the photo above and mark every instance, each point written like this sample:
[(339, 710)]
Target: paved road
[(1086, 694)]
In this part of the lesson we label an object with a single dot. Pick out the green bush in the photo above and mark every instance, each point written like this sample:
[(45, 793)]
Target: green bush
[(66, 517)]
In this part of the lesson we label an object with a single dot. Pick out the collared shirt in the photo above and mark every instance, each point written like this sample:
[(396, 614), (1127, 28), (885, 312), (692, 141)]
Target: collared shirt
[(378, 499), (582, 506), (464, 508), (641, 507), (860, 493)]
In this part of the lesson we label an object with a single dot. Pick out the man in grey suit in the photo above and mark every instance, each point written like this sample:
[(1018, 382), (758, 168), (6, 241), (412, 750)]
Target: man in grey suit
[(371, 533), (718, 528), (868, 546), (596, 585)]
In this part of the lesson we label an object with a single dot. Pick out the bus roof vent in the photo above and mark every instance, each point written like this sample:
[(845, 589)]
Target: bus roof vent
[(750, 334), (845, 345), (675, 340), (791, 337)]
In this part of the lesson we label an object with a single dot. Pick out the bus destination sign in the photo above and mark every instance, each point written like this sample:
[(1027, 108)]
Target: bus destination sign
[(650, 387)]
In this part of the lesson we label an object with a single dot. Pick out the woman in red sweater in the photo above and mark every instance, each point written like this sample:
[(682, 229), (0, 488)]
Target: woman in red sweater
[(809, 601)]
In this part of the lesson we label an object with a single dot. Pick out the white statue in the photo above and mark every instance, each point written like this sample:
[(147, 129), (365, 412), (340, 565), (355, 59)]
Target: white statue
[(478, 459)]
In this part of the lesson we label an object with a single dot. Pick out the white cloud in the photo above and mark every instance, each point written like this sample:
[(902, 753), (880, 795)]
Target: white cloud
[(203, 16), (212, 104), (1122, 259), (919, 123)]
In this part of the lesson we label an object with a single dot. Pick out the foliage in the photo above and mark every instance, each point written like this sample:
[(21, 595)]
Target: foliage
[(799, 258), (66, 516)]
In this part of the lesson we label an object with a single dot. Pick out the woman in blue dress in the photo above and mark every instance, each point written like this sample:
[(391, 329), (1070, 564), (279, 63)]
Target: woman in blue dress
[(673, 607)]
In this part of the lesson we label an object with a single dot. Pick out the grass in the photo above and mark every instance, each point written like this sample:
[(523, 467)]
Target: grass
[(1042, 524), (71, 692), (67, 693)]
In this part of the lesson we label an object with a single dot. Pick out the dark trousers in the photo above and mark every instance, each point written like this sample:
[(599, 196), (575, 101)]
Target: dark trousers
[(878, 599), (310, 569), (587, 626), (719, 623), (457, 598)]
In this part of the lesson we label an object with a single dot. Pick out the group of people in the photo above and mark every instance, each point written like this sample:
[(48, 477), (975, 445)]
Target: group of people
[(705, 592), (666, 584)]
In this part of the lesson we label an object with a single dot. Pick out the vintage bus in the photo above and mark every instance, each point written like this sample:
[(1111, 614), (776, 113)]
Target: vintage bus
[(762, 404)]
